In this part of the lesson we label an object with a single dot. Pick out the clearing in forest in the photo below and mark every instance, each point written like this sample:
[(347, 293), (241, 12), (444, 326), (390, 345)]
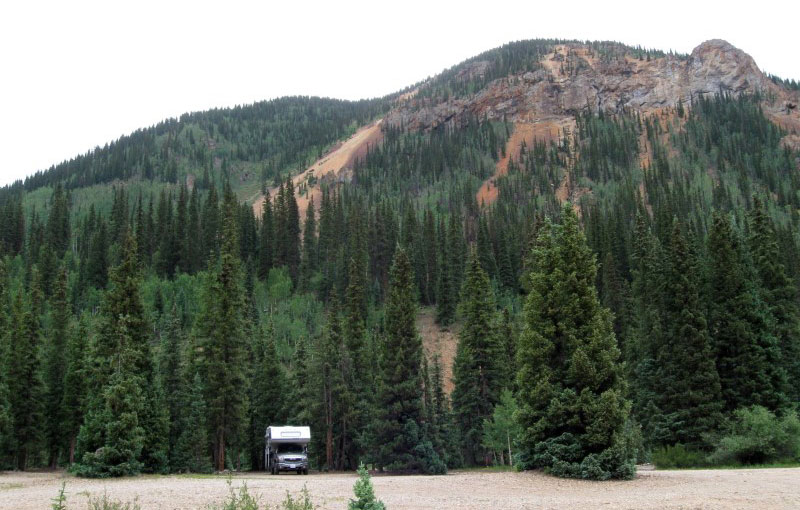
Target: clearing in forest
[(330, 167)]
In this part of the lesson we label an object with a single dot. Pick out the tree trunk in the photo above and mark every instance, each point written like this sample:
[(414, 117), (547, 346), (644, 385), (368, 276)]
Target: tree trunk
[(22, 459), (510, 459), (72, 450), (220, 450)]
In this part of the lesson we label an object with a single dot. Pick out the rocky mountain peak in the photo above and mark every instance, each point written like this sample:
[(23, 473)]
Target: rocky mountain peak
[(575, 77)]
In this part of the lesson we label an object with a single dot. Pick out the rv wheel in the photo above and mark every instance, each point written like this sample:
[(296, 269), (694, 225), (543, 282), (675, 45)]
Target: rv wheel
[(305, 471)]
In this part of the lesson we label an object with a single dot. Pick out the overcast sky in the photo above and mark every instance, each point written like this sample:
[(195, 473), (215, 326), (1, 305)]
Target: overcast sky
[(74, 75)]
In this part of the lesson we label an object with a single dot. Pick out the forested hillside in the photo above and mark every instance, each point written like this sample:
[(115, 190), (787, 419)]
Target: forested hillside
[(630, 290)]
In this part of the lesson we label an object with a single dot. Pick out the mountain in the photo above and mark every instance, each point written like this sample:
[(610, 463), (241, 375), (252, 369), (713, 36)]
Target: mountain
[(192, 248)]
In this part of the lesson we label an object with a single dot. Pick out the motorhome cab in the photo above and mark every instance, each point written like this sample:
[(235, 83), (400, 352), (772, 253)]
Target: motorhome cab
[(287, 449)]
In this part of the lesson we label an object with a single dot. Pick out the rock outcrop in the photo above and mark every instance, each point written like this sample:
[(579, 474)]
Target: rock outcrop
[(573, 78)]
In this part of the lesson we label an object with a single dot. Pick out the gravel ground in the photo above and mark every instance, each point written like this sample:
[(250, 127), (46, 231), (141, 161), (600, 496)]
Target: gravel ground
[(713, 489)]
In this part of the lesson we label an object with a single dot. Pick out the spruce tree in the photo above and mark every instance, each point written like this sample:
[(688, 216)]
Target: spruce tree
[(779, 293), (221, 334), (172, 373), (748, 354), (54, 368), (572, 408), (477, 372), (689, 397), (124, 427), (335, 396), (74, 403), (191, 449), (266, 240), (399, 442), (268, 393), (308, 263), (647, 336), (25, 385)]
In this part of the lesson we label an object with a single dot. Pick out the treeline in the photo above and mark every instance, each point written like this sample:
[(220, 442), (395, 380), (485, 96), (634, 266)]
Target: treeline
[(167, 333), (265, 137)]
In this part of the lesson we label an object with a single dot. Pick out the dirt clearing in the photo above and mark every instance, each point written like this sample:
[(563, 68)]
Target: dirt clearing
[(718, 489), (339, 158)]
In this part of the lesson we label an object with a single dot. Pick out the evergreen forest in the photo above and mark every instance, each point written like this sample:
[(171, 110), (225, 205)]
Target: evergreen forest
[(152, 322)]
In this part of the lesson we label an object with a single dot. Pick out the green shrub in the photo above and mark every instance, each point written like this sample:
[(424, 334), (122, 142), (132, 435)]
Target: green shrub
[(757, 436), (241, 499), (563, 456), (364, 493), (109, 504), (60, 501), (303, 502), (678, 457), (238, 499)]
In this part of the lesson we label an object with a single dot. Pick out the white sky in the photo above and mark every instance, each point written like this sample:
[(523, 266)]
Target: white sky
[(75, 74)]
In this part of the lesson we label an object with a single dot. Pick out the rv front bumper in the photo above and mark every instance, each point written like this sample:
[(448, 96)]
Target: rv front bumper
[(291, 466)]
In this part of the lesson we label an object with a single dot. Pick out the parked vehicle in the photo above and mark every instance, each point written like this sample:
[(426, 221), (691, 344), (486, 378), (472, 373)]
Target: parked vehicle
[(287, 449)]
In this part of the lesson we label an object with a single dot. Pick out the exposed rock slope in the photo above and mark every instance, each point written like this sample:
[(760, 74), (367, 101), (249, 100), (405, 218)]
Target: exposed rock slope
[(573, 77)]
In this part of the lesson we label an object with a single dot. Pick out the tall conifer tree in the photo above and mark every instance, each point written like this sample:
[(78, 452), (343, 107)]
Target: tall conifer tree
[(572, 408), (221, 333)]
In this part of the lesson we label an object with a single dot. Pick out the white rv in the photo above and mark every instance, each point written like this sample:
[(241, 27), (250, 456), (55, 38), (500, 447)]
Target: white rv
[(287, 449)]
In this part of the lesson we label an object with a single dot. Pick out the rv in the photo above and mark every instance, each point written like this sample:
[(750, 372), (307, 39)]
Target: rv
[(287, 449)]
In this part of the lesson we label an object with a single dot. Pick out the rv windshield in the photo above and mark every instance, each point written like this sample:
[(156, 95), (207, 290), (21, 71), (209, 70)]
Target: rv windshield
[(290, 448)]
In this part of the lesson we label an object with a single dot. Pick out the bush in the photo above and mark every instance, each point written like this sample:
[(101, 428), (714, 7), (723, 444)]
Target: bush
[(241, 499), (757, 436), (108, 504), (238, 500), (563, 456), (678, 457)]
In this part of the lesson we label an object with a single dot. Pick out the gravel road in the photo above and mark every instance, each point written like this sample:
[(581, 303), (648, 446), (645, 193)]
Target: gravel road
[(713, 489)]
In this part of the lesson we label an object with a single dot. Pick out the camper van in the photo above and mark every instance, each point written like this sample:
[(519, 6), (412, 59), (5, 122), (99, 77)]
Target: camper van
[(287, 449)]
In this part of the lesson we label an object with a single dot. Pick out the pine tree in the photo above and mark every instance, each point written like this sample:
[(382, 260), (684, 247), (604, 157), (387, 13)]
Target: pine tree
[(6, 418), (75, 373), (748, 355), (114, 423), (334, 393), (97, 263), (399, 445), (477, 372), (689, 397), (266, 240), (268, 393), (778, 292), (308, 264), (292, 232), (58, 229), (194, 234), (191, 449), (221, 333), (647, 336), (172, 373), (571, 388), (358, 370), (26, 388), (124, 428), (210, 225), (54, 368)]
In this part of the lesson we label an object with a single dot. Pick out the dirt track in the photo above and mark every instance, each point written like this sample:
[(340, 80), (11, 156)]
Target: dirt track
[(723, 489)]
